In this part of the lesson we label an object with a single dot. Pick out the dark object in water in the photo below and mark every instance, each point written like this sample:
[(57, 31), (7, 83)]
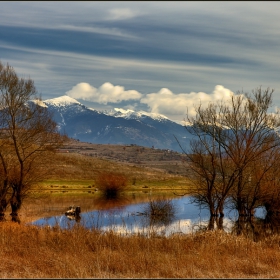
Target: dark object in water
[(73, 210)]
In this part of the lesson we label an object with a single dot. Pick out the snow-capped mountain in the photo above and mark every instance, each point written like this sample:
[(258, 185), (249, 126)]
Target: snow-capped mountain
[(118, 126), (62, 101), (130, 114)]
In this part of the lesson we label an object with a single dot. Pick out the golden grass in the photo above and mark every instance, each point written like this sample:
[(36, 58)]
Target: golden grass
[(33, 252)]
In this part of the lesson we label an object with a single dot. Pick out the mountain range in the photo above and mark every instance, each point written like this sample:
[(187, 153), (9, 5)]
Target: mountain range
[(118, 126)]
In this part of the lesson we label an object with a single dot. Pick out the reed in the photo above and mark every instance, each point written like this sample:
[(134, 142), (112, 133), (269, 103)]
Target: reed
[(34, 252)]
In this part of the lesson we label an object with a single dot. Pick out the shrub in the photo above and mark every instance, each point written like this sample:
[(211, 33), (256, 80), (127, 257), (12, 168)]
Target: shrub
[(160, 212), (111, 183)]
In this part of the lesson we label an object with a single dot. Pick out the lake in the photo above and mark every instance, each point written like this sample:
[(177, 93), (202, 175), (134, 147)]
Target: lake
[(133, 219)]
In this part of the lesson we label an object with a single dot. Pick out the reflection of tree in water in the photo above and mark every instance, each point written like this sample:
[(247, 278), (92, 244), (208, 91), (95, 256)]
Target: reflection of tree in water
[(257, 228), (108, 207), (112, 203), (218, 221), (214, 223), (250, 227), (76, 217), (272, 224), (159, 212)]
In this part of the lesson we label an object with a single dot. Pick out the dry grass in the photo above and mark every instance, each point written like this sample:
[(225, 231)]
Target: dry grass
[(32, 252)]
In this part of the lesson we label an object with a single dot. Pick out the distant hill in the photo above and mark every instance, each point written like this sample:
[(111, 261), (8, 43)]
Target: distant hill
[(171, 162)]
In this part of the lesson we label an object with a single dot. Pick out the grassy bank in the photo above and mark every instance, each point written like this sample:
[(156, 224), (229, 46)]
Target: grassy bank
[(32, 252), (176, 183)]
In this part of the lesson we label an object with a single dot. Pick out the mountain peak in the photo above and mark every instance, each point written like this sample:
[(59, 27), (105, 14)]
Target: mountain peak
[(123, 111), (118, 112), (62, 101), (153, 115)]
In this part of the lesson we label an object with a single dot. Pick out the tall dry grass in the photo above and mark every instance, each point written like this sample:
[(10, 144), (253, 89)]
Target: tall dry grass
[(33, 252)]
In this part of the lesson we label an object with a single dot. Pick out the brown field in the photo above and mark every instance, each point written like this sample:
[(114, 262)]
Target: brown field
[(32, 252)]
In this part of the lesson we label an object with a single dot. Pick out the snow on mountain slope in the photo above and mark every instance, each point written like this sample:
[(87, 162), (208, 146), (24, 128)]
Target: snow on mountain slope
[(64, 100), (39, 102), (130, 114)]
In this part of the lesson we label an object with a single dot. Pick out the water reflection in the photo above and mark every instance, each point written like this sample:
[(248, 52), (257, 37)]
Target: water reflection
[(163, 216), (76, 217), (158, 213), (114, 203), (256, 228)]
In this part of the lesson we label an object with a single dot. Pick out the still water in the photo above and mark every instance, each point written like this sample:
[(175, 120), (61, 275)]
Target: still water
[(129, 219)]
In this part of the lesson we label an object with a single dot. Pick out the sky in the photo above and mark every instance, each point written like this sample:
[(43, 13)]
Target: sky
[(161, 57)]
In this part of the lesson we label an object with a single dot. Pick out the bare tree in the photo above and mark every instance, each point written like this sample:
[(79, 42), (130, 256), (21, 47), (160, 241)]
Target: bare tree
[(28, 135), (270, 188), (210, 173), (242, 132), (260, 177), (202, 175)]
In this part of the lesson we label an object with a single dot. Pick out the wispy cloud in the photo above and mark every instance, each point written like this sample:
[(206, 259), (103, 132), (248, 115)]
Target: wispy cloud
[(164, 51), (121, 14)]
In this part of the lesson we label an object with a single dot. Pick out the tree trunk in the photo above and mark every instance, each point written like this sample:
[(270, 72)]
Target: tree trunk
[(3, 200), (221, 208), (241, 207), (211, 224), (3, 206), (15, 206), (240, 224), (220, 223), (213, 211)]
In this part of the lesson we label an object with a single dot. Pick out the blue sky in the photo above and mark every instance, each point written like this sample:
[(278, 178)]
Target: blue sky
[(161, 57)]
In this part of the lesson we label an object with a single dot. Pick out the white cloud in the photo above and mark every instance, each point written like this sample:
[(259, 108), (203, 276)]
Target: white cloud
[(104, 94), (163, 102), (167, 103)]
